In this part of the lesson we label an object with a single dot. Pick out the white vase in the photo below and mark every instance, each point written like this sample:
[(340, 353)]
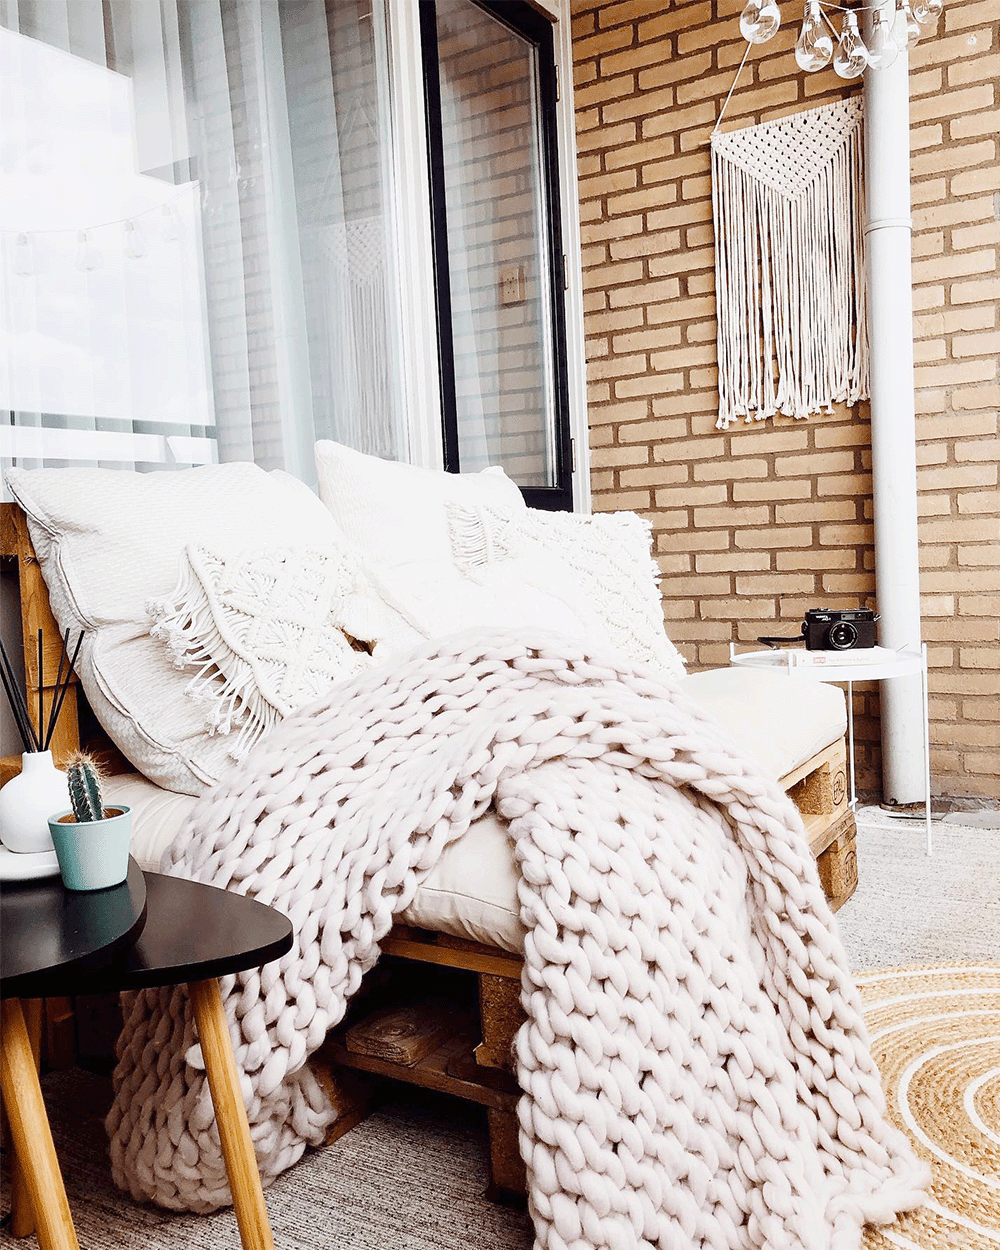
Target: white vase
[(28, 800)]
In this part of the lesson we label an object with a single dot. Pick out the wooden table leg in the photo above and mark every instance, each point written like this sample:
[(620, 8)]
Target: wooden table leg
[(29, 1127), (231, 1115), (22, 1217)]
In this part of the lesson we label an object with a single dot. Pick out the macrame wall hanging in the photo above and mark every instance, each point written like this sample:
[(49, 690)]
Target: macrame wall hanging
[(788, 205)]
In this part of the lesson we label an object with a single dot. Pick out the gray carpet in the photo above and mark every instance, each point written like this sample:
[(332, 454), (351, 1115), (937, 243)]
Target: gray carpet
[(913, 909), (412, 1176)]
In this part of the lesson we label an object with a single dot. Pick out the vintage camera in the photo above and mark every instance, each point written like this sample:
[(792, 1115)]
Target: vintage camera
[(852, 629)]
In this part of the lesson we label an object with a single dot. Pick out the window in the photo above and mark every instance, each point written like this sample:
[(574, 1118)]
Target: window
[(216, 235), (490, 83), (197, 242)]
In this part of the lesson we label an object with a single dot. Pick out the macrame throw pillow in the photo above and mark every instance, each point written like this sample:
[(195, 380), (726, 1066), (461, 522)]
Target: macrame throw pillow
[(270, 630), (598, 566)]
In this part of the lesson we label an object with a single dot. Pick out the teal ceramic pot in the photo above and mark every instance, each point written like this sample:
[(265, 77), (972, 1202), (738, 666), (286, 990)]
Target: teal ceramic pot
[(93, 855)]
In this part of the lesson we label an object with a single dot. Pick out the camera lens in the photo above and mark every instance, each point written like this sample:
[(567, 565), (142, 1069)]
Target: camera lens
[(843, 636)]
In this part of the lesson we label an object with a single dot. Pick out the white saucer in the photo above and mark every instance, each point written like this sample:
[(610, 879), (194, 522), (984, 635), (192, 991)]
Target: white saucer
[(24, 867)]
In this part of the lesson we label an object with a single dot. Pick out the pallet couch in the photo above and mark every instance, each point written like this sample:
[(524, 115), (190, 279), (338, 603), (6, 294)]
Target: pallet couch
[(442, 1008)]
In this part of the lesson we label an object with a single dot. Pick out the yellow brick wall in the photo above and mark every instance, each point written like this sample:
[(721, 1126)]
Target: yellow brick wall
[(756, 524)]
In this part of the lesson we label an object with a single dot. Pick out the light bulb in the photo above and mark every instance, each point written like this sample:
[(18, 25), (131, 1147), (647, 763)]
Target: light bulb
[(171, 228), (24, 257), (905, 27), (928, 11), (851, 58), (87, 256), (814, 47), (135, 244), (759, 21), (883, 50)]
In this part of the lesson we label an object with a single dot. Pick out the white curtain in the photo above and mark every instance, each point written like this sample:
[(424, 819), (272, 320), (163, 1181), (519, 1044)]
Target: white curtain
[(197, 264)]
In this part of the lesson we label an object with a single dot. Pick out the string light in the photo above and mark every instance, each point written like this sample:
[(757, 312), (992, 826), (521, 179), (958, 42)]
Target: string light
[(87, 256), (24, 260), (851, 58), (135, 243), (171, 228), (895, 27)]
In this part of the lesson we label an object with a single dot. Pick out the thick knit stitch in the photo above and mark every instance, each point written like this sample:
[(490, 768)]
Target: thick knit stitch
[(695, 1067)]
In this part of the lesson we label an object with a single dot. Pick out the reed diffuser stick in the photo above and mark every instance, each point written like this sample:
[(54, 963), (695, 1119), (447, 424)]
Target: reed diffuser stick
[(61, 692), (18, 703), (63, 644), (41, 691)]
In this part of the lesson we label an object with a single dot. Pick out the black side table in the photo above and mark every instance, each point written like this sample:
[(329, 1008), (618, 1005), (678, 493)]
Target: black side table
[(164, 931)]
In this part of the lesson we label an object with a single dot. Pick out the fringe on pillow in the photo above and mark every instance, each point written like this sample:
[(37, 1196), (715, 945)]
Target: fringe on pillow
[(187, 625), (474, 542)]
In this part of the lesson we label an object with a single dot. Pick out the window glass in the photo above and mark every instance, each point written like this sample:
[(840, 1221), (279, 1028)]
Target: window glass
[(196, 243)]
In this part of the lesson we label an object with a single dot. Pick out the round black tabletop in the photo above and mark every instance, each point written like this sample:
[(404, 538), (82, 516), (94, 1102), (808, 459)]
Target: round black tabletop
[(46, 929), (192, 932)]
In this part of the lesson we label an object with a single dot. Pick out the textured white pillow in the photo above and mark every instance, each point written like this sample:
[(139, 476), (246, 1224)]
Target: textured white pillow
[(268, 631), (396, 512), (108, 541), (598, 566)]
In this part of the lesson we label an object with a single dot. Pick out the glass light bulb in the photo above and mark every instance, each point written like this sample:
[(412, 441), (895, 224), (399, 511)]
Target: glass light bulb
[(135, 244), (851, 58), (171, 228), (905, 27), (24, 257), (814, 46), (883, 50), (760, 20), (927, 12), (87, 256)]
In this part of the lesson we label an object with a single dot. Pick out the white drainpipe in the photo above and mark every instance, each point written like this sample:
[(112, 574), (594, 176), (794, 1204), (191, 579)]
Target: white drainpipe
[(893, 429)]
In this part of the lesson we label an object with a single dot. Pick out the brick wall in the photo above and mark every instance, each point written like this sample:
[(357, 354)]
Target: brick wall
[(758, 523)]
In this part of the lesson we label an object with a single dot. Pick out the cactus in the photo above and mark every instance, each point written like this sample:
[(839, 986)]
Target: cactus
[(83, 777)]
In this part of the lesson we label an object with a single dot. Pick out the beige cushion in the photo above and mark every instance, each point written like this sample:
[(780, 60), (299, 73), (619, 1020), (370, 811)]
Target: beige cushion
[(600, 567), (472, 890), (781, 721), (110, 540)]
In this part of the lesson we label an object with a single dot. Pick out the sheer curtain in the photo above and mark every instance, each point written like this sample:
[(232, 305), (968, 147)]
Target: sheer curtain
[(196, 245)]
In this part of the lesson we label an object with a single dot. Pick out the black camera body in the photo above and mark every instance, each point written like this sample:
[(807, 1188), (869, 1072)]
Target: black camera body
[(827, 629)]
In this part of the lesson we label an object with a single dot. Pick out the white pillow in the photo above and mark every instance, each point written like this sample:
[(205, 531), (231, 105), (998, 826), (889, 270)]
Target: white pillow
[(108, 541), (599, 567), (269, 631), (396, 512)]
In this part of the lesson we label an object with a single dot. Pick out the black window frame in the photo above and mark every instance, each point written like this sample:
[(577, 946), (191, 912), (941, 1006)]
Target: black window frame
[(533, 26)]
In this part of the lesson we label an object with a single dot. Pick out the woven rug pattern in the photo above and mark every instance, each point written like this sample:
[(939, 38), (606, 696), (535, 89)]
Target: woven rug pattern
[(936, 1039)]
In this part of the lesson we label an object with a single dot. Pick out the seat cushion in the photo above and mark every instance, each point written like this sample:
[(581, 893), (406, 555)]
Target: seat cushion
[(781, 721), (472, 890)]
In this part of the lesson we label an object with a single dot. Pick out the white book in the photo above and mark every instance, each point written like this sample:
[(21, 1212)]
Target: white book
[(827, 659)]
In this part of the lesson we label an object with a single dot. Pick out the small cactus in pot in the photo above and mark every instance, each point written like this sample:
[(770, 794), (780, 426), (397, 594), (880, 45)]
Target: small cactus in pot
[(83, 777), (91, 840)]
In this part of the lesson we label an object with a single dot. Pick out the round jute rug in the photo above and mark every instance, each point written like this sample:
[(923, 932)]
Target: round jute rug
[(935, 1035)]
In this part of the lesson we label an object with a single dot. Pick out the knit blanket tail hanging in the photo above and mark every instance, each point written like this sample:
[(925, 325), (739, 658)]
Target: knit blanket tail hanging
[(695, 1068), (788, 205)]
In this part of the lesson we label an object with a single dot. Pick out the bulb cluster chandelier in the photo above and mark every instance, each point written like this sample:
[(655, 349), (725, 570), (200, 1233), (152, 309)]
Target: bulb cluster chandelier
[(896, 25)]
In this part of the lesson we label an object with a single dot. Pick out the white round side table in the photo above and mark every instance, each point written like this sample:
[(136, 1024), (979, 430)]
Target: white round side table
[(878, 664)]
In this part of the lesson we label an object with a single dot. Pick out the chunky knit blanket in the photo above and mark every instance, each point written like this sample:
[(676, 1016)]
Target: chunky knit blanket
[(694, 1064)]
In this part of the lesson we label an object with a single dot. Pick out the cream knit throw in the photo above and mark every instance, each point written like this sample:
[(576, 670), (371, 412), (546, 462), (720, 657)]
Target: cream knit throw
[(695, 1067)]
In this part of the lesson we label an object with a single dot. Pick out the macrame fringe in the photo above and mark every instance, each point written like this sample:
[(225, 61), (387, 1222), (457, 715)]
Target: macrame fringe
[(790, 284), (474, 543), (186, 624)]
